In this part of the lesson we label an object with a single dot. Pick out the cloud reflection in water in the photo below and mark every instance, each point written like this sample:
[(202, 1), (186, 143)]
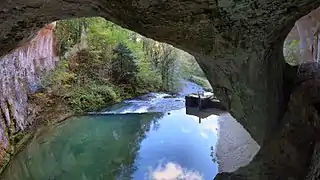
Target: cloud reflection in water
[(173, 171)]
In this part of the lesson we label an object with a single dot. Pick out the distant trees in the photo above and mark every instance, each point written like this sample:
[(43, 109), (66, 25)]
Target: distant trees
[(68, 33), (123, 67), (291, 52), (102, 62), (163, 60)]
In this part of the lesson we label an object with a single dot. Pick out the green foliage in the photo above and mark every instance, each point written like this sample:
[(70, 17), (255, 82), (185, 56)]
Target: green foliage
[(290, 52), (59, 79), (123, 67), (201, 82), (147, 78), (91, 97), (81, 97), (163, 61), (189, 66), (68, 33), (106, 63)]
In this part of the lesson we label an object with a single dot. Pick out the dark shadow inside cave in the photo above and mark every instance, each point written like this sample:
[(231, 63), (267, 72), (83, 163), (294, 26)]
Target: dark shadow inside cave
[(238, 44)]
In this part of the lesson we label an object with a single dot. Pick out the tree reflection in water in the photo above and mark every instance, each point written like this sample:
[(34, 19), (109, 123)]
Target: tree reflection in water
[(121, 147), (84, 148)]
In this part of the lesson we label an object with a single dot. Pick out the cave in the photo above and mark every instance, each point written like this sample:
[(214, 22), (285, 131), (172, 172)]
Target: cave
[(238, 44)]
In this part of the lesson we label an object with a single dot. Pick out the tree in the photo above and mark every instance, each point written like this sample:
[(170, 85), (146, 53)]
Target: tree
[(163, 59), (123, 67), (70, 32), (290, 52)]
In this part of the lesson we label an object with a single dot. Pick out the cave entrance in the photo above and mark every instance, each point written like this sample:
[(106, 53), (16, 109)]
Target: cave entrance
[(156, 60), (97, 51), (91, 51)]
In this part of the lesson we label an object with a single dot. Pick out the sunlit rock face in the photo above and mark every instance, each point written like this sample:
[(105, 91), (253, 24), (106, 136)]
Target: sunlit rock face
[(306, 31), (20, 74), (235, 147)]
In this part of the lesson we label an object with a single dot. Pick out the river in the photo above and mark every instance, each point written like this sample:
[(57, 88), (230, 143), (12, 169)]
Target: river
[(146, 138)]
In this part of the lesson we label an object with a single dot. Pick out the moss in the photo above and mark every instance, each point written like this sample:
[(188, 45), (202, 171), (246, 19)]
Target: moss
[(20, 140), (5, 159), (44, 108)]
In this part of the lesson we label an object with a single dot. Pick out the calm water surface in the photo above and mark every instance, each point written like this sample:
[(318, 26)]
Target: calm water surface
[(147, 138)]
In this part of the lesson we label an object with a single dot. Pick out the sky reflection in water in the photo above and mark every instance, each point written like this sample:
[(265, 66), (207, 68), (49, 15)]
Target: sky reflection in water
[(138, 145), (153, 146)]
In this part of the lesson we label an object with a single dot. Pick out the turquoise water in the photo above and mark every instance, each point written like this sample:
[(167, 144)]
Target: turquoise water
[(126, 146), (146, 138)]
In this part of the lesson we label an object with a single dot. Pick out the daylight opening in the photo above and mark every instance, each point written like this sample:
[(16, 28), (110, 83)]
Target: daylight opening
[(302, 44), (133, 93), (101, 62)]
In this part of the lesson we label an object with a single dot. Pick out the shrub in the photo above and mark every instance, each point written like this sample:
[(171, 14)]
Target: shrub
[(91, 97), (123, 67)]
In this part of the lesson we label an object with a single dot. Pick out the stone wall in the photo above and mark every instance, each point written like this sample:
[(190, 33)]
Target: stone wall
[(20, 74)]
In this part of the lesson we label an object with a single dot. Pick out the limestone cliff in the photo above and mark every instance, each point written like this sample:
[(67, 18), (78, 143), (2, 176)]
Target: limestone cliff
[(20, 74)]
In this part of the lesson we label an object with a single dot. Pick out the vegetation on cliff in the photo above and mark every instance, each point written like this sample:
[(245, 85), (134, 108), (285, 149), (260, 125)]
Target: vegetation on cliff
[(102, 63), (291, 52), (99, 63)]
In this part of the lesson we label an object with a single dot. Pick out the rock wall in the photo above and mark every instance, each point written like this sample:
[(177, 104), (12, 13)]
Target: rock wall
[(238, 44), (20, 73), (235, 147), (306, 30)]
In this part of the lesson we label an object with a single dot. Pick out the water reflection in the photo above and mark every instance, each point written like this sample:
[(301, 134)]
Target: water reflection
[(235, 147), (179, 140), (149, 146), (171, 171)]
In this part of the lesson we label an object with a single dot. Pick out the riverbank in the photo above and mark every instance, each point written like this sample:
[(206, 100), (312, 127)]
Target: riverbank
[(71, 146), (232, 148), (44, 110)]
